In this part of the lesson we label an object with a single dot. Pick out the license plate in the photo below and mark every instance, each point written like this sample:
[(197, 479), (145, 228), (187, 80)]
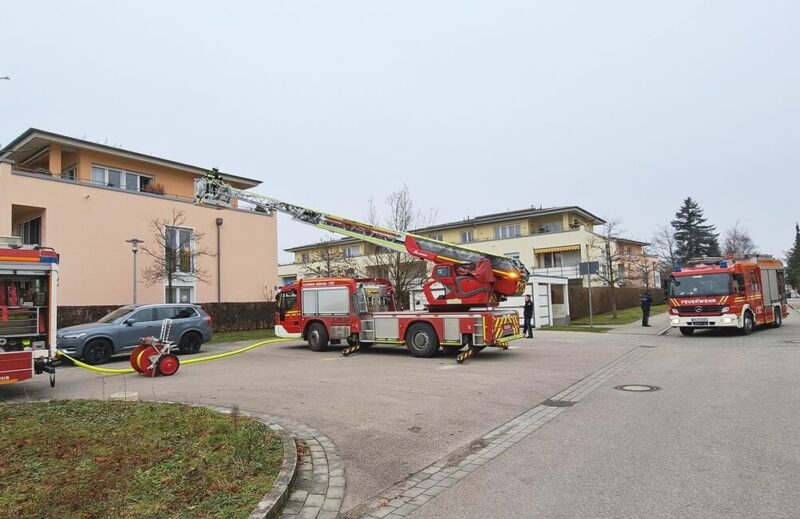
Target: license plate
[(699, 321)]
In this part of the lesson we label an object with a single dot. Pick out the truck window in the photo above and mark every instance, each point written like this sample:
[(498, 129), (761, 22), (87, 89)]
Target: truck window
[(738, 283), (753, 281), (700, 285), (287, 300)]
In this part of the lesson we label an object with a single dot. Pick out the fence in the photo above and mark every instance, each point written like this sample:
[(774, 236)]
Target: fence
[(226, 317), (601, 299)]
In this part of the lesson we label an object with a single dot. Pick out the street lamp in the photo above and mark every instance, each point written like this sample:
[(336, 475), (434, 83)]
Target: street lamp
[(134, 249)]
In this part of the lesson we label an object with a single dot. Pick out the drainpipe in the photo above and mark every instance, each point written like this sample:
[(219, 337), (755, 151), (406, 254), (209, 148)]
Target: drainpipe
[(219, 261)]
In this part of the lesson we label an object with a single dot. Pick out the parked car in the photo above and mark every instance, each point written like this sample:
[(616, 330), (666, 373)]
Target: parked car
[(121, 330)]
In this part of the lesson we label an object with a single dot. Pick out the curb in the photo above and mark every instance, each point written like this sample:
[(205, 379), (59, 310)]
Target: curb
[(271, 504)]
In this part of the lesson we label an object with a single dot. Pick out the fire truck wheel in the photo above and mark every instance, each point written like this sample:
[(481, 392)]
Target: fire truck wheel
[(778, 318), (317, 337), (685, 330), (190, 343), (747, 325), (421, 340), (97, 351)]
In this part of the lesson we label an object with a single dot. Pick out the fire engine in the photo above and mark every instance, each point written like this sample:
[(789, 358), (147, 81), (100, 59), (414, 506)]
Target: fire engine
[(465, 286), (28, 289), (727, 293)]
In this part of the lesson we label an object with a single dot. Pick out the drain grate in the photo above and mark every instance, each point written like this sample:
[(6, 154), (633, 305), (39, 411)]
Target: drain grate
[(637, 388), (558, 403)]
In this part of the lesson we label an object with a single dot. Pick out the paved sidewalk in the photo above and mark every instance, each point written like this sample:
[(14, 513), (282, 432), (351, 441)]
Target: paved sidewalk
[(658, 323)]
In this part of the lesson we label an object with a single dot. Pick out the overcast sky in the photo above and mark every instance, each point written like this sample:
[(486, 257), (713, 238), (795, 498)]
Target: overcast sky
[(621, 107)]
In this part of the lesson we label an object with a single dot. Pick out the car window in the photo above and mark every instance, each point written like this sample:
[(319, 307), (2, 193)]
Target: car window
[(144, 315), (185, 312), (116, 314)]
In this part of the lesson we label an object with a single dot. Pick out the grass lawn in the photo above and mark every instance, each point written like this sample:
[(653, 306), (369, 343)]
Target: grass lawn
[(625, 316), (246, 335), (91, 459), (557, 328)]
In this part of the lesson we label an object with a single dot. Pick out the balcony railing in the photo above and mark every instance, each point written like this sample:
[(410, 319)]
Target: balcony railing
[(569, 271)]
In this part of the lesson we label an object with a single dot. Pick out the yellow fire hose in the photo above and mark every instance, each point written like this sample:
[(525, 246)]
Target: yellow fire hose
[(110, 371)]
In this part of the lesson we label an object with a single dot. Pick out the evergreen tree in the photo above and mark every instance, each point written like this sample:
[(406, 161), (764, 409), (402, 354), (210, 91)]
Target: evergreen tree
[(793, 260), (692, 237)]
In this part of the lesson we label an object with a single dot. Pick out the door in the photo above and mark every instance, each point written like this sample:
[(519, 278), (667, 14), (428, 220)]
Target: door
[(542, 310), (145, 325)]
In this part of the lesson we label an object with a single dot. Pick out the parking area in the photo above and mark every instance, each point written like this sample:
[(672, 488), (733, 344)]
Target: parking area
[(717, 439)]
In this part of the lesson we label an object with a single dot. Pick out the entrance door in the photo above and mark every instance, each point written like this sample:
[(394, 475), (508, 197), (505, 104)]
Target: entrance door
[(543, 305)]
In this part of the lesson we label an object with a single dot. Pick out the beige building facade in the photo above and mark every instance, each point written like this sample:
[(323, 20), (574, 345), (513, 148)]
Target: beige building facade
[(85, 200)]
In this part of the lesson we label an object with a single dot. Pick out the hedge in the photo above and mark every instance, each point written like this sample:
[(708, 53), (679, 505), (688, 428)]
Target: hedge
[(627, 297)]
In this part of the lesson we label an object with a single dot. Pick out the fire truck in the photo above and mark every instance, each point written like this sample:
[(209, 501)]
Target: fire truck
[(728, 293), (464, 288), (28, 289)]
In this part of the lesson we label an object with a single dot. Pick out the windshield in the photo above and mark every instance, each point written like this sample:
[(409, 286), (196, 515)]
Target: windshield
[(700, 285), (116, 314)]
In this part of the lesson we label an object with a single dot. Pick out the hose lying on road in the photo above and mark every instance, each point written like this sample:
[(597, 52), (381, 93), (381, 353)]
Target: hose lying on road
[(111, 371)]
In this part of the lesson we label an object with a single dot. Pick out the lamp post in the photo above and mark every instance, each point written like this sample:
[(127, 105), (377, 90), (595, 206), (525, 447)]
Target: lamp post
[(134, 249)]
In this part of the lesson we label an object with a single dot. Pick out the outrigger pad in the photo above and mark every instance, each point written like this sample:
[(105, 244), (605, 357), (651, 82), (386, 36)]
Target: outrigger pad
[(351, 349)]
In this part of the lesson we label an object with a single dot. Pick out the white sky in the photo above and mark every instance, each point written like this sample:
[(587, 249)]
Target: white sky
[(621, 107)]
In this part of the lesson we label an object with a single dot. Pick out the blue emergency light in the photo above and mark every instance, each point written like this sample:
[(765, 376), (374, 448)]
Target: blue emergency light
[(676, 268)]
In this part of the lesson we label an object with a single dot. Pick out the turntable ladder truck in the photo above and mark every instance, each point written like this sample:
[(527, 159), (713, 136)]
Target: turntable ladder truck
[(358, 311)]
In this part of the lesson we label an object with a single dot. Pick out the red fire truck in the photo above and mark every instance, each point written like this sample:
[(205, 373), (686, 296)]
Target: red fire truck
[(362, 312), (28, 289), (727, 293), (464, 288)]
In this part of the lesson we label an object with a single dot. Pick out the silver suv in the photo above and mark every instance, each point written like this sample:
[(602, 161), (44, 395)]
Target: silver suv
[(121, 330)]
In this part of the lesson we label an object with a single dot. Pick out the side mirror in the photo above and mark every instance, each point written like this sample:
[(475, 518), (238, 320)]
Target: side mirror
[(130, 322)]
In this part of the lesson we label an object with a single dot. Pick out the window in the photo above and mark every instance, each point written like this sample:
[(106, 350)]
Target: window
[(179, 295), (304, 257), (753, 281), (550, 227), (507, 231), (551, 259), (467, 236), (120, 179), (514, 255), (70, 173), (144, 315), (437, 237), (31, 231), (352, 251), (178, 250)]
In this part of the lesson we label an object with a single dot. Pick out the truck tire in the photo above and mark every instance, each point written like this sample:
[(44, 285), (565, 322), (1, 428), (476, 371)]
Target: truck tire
[(317, 337), (747, 324), (421, 340), (685, 330), (778, 318)]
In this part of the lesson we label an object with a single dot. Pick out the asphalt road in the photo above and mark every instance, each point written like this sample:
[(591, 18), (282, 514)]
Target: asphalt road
[(718, 440)]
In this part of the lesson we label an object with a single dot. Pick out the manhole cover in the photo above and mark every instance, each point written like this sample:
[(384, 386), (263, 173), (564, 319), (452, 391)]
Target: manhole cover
[(558, 403), (639, 388)]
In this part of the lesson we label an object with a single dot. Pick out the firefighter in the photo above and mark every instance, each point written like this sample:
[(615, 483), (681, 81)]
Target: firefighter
[(527, 314), (646, 300)]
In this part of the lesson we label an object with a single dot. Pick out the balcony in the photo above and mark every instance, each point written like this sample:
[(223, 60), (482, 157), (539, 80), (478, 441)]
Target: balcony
[(567, 271)]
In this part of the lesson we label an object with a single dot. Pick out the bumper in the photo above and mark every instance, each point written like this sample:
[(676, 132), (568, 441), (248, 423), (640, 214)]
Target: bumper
[(280, 331), (711, 321)]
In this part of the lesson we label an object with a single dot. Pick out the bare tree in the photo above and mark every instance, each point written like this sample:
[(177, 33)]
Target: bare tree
[(328, 259), (664, 247), (737, 242), (605, 246), (175, 253), (642, 267), (399, 267)]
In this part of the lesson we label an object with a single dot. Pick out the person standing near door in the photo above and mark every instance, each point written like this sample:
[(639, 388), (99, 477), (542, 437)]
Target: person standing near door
[(527, 314)]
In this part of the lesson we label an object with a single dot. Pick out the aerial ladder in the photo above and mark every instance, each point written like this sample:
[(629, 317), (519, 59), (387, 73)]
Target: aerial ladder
[(470, 277)]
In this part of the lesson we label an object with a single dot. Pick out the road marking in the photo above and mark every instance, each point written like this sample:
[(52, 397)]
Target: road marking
[(449, 366), (332, 358)]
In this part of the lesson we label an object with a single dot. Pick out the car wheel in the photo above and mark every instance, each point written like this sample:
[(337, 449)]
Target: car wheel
[(747, 325), (421, 340), (97, 351), (685, 330), (317, 337), (190, 343)]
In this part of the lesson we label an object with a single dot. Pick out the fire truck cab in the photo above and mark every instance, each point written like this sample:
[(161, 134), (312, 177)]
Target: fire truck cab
[(732, 293), (362, 312), (28, 288)]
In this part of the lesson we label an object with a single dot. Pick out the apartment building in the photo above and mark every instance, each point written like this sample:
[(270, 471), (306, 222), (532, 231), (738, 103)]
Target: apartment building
[(86, 200)]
